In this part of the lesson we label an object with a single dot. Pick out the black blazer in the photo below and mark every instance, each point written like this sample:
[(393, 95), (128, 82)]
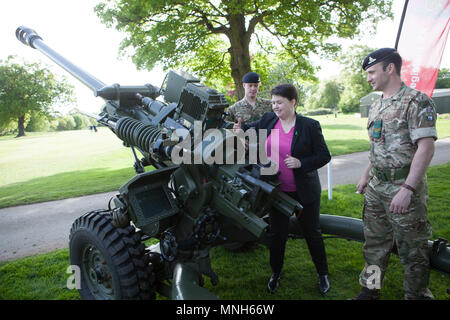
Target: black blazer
[(308, 145)]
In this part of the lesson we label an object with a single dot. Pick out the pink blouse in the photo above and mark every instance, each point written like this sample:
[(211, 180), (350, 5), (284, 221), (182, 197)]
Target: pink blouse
[(280, 143)]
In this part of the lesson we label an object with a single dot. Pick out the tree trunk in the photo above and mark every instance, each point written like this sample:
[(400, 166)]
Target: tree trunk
[(239, 52), (21, 127)]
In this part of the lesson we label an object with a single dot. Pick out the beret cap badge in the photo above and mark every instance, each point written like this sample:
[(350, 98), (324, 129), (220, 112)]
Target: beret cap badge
[(377, 56), (251, 77)]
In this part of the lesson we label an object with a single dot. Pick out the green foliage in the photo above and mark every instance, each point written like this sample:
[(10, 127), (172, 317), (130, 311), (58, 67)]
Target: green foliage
[(80, 122), (38, 122), (214, 39), (353, 79), (28, 88), (8, 128), (324, 96), (65, 123), (282, 71), (318, 112), (208, 64), (443, 79)]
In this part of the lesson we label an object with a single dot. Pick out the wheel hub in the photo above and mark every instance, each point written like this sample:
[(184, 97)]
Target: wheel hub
[(99, 278)]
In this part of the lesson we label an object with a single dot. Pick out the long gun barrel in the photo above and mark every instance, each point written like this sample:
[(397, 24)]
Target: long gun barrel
[(30, 37), (133, 112)]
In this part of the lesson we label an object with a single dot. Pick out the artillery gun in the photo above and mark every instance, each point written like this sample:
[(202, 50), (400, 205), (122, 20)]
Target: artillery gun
[(188, 206)]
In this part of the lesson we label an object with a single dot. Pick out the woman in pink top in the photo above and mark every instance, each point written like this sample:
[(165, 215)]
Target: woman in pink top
[(301, 151)]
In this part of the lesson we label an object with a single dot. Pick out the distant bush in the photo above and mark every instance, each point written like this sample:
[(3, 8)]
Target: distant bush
[(40, 122), (349, 102), (349, 108), (65, 123), (319, 112), (81, 121), (72, 121)]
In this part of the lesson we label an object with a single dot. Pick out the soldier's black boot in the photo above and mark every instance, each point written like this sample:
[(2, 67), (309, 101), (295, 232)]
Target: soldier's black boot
[(324, 284), (368, 294), (274, 282)]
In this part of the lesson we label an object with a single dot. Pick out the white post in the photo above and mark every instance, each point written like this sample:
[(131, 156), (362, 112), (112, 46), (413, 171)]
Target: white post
[(330, 184)]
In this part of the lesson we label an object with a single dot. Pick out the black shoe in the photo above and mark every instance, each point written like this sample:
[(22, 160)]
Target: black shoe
[(368, 294), (324, 284), (274, 282)]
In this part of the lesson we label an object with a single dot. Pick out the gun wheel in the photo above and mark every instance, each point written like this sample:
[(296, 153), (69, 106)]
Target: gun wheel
[(111, 260)]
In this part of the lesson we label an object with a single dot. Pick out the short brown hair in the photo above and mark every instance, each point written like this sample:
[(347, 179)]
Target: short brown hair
[(396, 60), (286, 90)]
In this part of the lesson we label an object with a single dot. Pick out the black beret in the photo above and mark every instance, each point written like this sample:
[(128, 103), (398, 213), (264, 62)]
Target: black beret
[(377, 56), (251, 77)]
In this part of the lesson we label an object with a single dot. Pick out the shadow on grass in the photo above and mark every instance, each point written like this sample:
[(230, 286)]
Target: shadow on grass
[(64, 185)]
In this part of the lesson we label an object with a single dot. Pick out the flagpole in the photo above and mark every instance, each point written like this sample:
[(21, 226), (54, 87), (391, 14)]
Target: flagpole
[(401, 23)]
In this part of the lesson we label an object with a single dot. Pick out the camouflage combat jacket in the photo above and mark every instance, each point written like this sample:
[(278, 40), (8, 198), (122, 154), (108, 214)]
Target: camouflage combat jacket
[(243, 109), (395, 124)]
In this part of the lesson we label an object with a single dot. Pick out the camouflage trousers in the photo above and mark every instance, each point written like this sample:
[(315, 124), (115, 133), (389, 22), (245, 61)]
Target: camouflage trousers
[(409, 232)]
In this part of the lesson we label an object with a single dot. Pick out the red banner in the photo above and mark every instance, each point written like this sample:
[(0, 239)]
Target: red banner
[(422, 42)]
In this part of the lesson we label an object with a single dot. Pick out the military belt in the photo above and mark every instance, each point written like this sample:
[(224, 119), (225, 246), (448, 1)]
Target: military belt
[(391, 174)]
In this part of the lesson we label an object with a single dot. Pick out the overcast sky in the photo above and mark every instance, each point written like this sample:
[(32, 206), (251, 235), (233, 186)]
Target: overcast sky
[(72, 29)]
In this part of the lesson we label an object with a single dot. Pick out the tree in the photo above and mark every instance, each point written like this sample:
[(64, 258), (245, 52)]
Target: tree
[(282, 72), (330, 95), (443, 79), (65, 123), (324, 96), (27, 88), (214, 38), (38, 122), (81, 121), (353, 78)]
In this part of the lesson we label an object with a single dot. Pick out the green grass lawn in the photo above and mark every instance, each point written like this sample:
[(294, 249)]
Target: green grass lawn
[(344, 134), (48, 166), (57, 165), (347, 133), (245, 275)]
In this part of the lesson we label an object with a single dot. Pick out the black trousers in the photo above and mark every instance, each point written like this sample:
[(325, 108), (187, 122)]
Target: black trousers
[(310, 227)]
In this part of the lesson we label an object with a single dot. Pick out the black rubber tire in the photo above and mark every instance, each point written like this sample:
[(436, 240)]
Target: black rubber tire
[(119, 258)]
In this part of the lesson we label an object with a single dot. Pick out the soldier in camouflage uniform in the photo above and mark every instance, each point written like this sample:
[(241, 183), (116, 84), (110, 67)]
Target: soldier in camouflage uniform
[(401, 127), (250, 108)]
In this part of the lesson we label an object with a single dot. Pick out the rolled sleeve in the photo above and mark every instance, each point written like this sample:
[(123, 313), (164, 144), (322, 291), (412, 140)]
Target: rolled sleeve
[(422, 118), (419, 133)]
